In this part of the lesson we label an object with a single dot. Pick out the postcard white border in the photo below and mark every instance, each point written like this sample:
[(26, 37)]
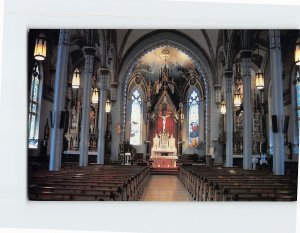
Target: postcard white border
[(17, 212)]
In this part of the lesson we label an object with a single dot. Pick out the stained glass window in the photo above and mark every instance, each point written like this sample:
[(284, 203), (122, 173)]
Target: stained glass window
[(136, 118), (33, 118), (193, 117), (298, 96), (296, 147)]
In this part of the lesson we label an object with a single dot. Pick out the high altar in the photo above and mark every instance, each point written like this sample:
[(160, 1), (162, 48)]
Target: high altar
[(165, 125), (164, 152)]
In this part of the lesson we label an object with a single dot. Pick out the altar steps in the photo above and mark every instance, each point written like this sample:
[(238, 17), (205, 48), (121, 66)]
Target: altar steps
[(164, 171)]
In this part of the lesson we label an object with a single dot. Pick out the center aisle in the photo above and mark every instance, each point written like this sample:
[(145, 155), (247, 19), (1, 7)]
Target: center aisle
[(165, 188)]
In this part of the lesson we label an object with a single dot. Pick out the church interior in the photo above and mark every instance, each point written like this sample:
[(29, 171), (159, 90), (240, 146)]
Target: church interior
[(163, 115)]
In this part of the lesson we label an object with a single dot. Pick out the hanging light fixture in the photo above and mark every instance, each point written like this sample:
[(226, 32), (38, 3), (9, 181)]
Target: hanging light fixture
[(259, 76), (237, 99), (40, 47), (95, 96), (297, 52), (108, 106), (259, 80), (76, 79), (223, 108)]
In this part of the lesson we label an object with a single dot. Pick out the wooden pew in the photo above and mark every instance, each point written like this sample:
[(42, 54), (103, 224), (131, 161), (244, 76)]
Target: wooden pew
[(224, 184), (91, 183)]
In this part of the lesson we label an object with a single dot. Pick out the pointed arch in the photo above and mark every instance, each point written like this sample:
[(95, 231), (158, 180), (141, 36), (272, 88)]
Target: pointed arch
[(175, 40)]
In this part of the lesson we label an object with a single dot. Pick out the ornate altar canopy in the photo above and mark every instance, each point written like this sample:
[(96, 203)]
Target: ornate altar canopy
[(164, 149)]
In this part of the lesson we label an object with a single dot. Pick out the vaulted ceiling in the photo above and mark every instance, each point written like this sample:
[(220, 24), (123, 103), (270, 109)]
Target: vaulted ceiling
[(205, 39)]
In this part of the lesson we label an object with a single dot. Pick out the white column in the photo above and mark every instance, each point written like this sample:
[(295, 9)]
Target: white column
[(61, 74), (247, 108), (89, 53), (277, 101), (102, 74), (229, 118)]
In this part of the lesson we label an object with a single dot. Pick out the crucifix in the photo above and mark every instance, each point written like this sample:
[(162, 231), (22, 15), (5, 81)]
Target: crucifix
[(164, 121)]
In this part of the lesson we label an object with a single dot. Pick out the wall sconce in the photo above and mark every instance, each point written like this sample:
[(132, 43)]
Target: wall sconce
[(76, 79), (107, 106), (95, 96), (223, 108), (259, 80), (297, 53), (40, 47)]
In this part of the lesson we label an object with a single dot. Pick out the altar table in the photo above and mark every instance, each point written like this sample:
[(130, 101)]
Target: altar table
[(164, 161)]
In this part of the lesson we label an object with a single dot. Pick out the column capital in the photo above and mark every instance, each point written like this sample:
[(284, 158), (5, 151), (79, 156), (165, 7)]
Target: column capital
[(64, 37), (89, 64), (114, 85), (217, 86), (246, 53), (274, 39), (228, 73), (89, 51), (103, 71), (102, 78)]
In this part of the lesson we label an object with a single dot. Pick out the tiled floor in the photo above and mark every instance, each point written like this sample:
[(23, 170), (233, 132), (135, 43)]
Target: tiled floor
[(165, 188)]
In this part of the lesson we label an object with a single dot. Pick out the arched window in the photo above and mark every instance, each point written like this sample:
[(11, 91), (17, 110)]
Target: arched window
[(136, 118), (298, 95), (298, 102), (33, 112), (193, 117)]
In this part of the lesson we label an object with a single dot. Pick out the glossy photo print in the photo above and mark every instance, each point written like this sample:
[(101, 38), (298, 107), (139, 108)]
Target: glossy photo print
[(163, 115)]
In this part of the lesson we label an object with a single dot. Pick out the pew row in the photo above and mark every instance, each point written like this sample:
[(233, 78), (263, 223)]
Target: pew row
[(93, 183), (235, 184)]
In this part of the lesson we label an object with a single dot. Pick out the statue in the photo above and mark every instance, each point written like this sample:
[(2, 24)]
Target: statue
[(118, 129), (74, 118), (164, 121), (92, 121), (172, 142), (156, 141), (74, 142)]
